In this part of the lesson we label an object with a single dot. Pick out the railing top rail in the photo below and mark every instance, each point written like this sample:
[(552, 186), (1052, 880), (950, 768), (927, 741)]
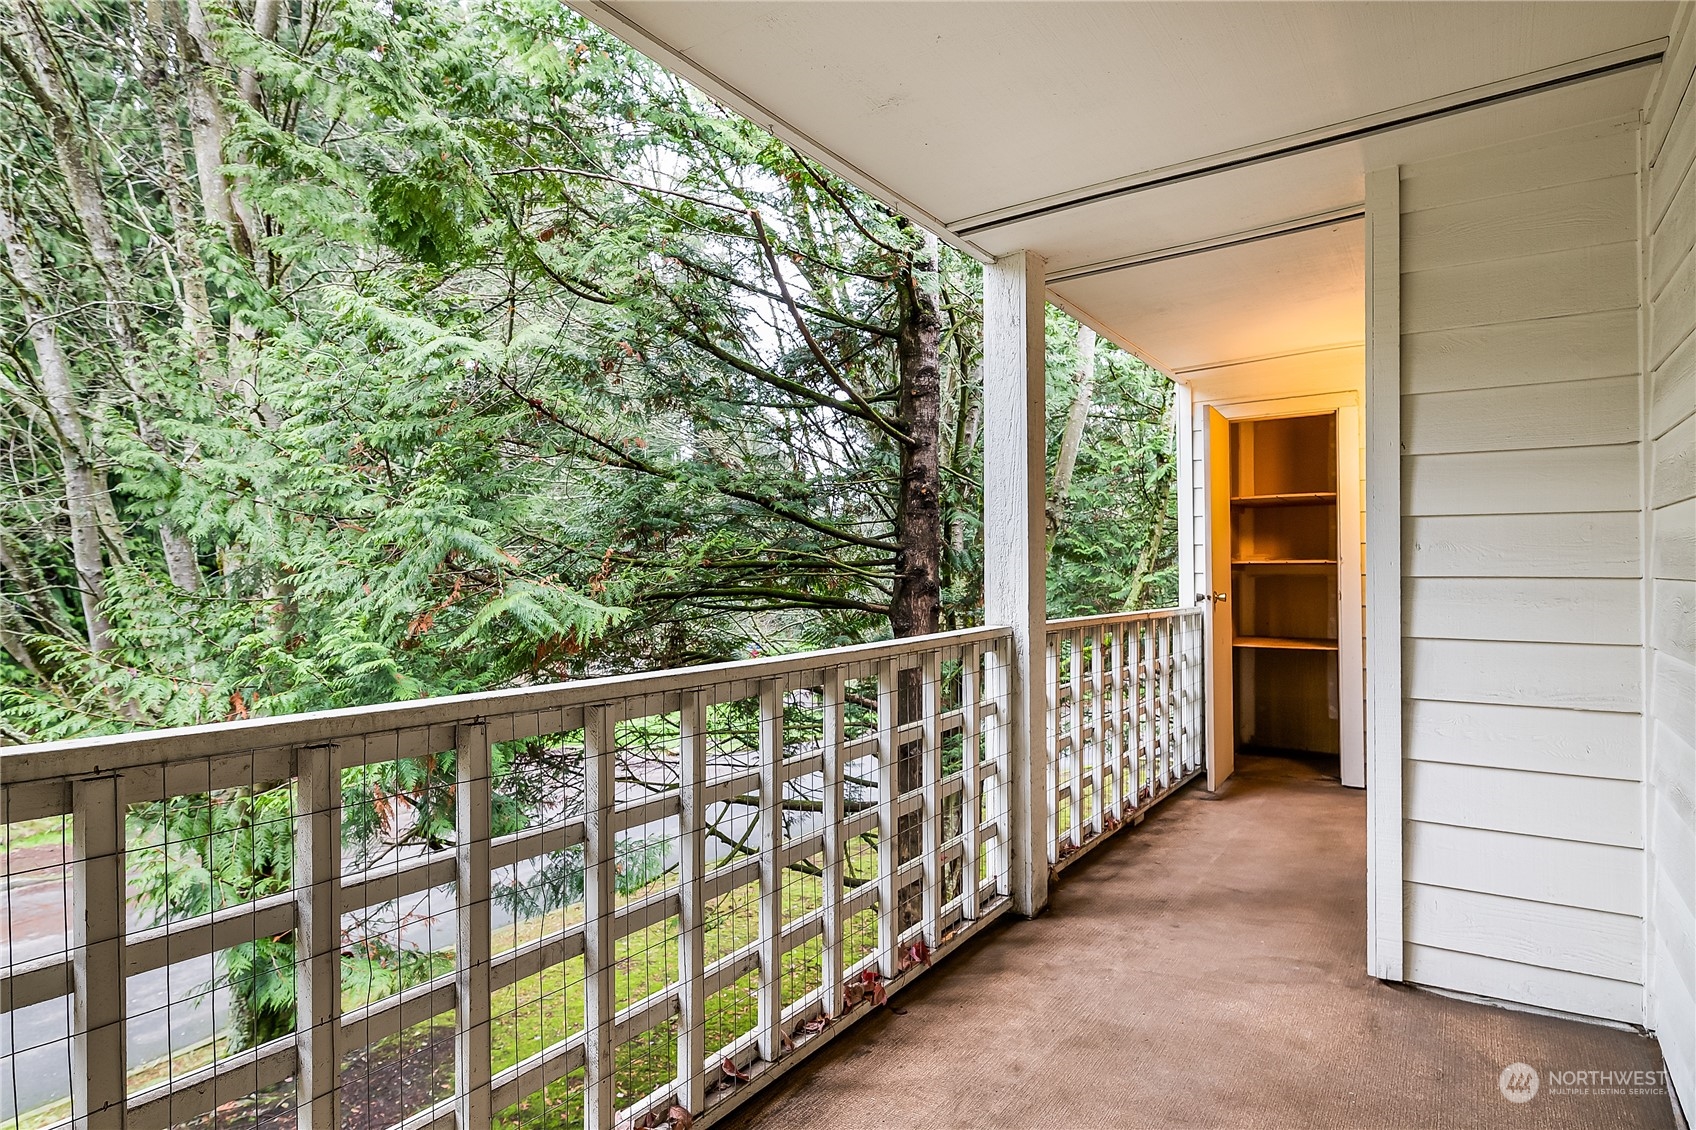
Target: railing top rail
[(1105, 618), (86, 756)]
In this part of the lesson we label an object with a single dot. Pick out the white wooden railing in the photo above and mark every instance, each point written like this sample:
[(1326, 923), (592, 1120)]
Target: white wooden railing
[(1124, 720), (709, 871)]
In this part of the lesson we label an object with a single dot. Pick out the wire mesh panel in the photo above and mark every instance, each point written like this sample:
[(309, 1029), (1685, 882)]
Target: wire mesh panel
[(38, 949), (1124, 720), (600, 903)]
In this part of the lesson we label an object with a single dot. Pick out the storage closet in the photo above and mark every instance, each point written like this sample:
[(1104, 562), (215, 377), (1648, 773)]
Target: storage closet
[(1284, 597)]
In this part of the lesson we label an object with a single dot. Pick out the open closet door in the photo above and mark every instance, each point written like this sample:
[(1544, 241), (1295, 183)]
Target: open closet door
[(1221, 718)]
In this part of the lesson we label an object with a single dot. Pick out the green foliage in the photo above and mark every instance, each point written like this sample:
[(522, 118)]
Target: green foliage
[(1117, 547), (192, 855), (495, 380)]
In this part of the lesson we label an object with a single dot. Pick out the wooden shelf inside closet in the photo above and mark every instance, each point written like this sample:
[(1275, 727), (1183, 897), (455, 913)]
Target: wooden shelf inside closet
[(1284, 554), (1285, 643), (1304, 498)]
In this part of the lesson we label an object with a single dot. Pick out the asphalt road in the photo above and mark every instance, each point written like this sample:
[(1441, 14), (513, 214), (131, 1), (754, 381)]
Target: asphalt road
[(35, 1041)]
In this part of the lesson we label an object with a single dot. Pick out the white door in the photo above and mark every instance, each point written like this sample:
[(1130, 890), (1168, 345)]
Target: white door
[(1221, 717), (1351, 658)]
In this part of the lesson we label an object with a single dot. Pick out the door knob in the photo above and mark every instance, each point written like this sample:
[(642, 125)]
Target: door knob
[(1220, 597)]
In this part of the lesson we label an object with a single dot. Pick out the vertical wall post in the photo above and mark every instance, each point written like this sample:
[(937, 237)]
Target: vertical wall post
[(318, 934), (98, 1072), (1383, 575), (472, 881), (1015, 543)]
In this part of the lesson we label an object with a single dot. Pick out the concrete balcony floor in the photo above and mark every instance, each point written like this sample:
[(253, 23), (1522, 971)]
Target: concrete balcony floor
[(1206, 970)]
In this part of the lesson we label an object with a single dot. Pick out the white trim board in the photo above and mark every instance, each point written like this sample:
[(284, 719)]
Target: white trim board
[(1381, 442)]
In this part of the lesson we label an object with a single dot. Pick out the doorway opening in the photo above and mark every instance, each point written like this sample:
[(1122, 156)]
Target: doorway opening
[(1284, 597), (1286, 651)]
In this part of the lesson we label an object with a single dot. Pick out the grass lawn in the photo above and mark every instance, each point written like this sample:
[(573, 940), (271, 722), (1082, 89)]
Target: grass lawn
[(547, 1008), (416, 1066), (46, 831)]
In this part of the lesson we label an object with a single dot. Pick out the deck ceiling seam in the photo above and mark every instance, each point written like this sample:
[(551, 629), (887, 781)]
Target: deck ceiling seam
[(1324, 137)]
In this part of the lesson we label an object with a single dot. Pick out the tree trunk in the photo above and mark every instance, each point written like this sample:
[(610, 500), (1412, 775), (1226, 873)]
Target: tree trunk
[(916, 606), (84, 486), (1073, 437), (225, 208), (1150, 555), (1145, 560), (209, 128), (266, 17), (37, 66), (167, 101), (971, 419)]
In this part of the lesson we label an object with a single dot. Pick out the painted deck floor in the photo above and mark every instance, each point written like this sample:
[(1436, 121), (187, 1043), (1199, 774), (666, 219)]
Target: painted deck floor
[(1205, 970)]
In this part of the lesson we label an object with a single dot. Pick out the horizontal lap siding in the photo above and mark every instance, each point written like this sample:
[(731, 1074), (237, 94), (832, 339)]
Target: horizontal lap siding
[(1583, 610), (1668, 284), (1522, 495), (1535, 739), (1526, 545)]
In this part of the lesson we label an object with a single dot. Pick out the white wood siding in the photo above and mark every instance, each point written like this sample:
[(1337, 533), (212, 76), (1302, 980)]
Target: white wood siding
[(1522, 501), (1668, 288)]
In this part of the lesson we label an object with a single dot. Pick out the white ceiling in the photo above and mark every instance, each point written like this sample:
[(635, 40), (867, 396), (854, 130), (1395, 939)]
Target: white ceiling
[(961, 113), (1262, 299)]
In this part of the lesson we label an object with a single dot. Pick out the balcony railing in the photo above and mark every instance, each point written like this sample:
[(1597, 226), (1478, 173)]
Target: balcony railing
[(1124, 720), (570, 905)]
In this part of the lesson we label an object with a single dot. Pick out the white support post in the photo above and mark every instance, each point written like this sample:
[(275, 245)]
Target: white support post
[(971, 802), (318, 935), (472, 880), (1384, 813), (599, 895), (771, 871), (1015, 542), (930, 830), (888, 855), (98, 899), (834, 862), (691, 891)]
